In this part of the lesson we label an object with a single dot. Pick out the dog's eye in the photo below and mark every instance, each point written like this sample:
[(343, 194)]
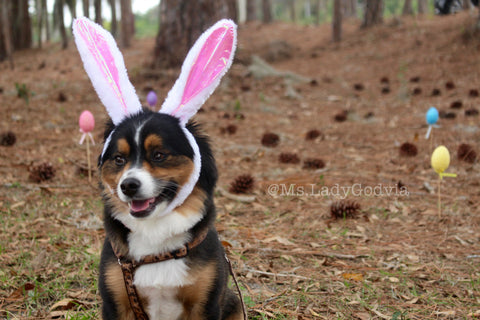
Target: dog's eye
[(120, 161), (158, 156)]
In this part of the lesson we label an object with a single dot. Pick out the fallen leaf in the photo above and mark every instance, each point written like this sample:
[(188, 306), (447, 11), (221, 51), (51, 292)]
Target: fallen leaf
[(446, 313), (64, 304), (475, 314), (226, 244), (393, 279), (353, 276), (280, 240), (413, 257), (16, 205), (413, 301), (315, 245), (363, 315), (20, 292)]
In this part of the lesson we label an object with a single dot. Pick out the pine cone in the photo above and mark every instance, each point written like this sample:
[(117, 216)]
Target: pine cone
[(344, 209), (42, 172), (471, 112), (415, 79), (313, 163), (417, 91), (242, 184), (231, 129), (270, 139), (447, 115), (287, 157), (408, 150), (341, 116), (449, 85), (458, 104), (473, 93), (312, 134), (8, 139), (358, 86), (466, 153)]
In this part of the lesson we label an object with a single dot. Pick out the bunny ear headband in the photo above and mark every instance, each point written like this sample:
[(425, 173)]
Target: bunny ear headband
[(206, 63)]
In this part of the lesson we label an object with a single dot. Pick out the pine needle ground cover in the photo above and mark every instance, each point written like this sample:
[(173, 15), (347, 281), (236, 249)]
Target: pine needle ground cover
[(393, 257)]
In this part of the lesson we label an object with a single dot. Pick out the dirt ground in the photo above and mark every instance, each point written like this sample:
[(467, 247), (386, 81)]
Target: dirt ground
[(397, 258)]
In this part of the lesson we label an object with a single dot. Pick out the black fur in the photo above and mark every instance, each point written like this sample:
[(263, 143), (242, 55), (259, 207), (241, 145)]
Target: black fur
[(221, 301)]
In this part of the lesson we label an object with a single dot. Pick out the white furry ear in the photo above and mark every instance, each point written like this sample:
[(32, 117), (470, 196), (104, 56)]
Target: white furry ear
[(105, 67), (206, 63)]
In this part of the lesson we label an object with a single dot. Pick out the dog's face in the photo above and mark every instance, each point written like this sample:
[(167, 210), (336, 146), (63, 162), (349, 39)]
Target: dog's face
[(146, 162)]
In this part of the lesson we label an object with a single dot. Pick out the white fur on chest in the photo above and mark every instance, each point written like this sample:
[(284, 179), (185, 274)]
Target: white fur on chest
[(160, 282), (163, 304)]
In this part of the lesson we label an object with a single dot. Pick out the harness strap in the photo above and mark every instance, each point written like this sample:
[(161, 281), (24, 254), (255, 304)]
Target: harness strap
[(128, 267), (244, 309)]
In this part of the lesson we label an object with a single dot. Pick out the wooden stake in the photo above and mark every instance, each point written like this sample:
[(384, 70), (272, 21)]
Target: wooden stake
[(439, 197), (431, 141), (88, 161)]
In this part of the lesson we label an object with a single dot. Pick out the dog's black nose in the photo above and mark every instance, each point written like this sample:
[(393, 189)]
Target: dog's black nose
[(130, 186)]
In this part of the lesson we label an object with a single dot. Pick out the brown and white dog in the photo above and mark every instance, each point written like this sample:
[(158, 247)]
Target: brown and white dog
[(158, 177)]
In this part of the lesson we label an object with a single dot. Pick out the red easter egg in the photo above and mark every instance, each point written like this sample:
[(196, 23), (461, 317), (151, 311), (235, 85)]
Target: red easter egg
[(86, 121)]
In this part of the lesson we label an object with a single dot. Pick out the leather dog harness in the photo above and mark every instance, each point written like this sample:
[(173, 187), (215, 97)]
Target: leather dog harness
[(128, 269)]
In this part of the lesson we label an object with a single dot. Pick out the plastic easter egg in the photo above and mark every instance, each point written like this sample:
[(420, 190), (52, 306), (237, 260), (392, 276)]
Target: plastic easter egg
[(152, 98), (86, 121), (432, 116), (440, 159)]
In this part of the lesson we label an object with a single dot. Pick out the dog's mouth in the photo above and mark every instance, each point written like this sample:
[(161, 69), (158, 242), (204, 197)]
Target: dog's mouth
[(141, 208)]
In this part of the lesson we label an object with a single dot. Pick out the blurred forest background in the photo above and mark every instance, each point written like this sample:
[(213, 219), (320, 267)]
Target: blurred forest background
[(32, 23)]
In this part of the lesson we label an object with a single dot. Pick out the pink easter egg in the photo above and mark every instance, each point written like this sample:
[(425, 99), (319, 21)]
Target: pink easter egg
[(86, 121)]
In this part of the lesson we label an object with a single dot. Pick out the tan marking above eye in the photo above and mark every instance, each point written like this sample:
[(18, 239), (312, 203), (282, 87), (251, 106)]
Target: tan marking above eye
[(153, 141), (176, 168), (123, 147)]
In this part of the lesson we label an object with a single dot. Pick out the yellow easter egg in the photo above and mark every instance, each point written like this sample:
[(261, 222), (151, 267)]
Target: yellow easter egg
[(440, 159)]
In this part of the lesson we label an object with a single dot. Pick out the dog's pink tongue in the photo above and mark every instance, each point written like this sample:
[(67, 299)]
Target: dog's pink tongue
[(141, 205)]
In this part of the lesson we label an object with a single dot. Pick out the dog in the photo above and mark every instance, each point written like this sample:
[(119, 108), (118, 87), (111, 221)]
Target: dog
[(162, 258)]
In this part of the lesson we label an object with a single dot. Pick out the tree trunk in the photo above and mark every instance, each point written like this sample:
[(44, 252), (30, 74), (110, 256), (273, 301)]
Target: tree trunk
[(423, 6), (127, 22), (466, 5), (232, 9), (337, 20), (86, 8), (316, 12), (181, 23), (251, 10), (39, 15), (291, 9), (98, 11), (22, 26), (267, 11), (45, 17), (72, 7), (373, 13), (6, 45), (308, 9), (60, 6), (349, 8), (114, 28), (408, 9), (478, 19)]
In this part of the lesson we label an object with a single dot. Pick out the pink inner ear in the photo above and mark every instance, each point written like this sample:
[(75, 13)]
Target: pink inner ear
[(100, 51), (211, 60)]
